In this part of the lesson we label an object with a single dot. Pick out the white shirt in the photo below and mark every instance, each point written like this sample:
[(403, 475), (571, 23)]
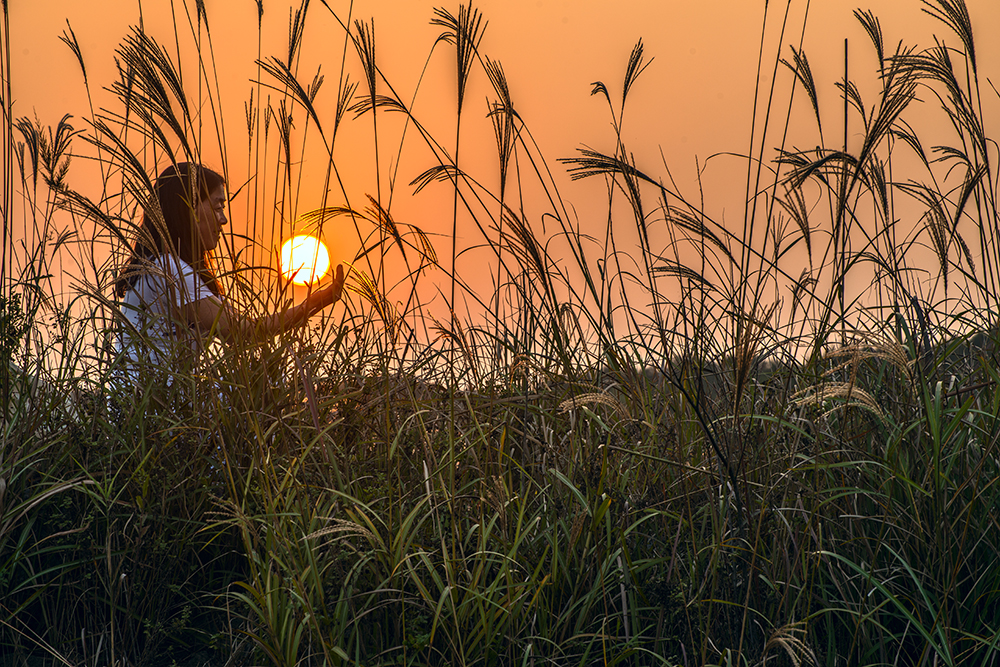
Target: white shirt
[(154, 331)]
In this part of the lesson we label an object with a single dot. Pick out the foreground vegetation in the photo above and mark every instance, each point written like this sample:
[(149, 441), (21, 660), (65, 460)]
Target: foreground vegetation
[(636, 458)]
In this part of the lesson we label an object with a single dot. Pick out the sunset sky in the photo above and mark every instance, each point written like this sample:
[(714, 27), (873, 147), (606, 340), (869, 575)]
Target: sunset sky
[(695, 100)]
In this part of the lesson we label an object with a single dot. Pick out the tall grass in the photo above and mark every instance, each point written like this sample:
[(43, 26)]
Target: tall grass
[(776, 443)]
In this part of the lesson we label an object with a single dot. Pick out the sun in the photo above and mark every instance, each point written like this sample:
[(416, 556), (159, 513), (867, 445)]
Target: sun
[(304, 259)]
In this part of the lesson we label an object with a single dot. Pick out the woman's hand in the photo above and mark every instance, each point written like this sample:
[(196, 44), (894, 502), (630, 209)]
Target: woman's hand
[(212, 315), (330, 294)]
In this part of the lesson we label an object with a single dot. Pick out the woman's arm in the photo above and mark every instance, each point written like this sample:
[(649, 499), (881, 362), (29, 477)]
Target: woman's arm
[(212, 315)]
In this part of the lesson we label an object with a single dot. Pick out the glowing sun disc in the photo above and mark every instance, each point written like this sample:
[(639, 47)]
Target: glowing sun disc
[(304, 259)]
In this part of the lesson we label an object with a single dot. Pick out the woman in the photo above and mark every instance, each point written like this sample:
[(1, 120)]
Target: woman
[(169, 294)]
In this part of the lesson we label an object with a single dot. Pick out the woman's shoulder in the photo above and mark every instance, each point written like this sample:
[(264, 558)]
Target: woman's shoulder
[(166, 272), (172, 265)]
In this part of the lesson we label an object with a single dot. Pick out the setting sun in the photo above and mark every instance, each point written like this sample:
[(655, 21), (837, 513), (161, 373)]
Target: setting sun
[(304, 259)]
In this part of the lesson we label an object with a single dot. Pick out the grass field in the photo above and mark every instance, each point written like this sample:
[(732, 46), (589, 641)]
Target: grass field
[(671, 441)]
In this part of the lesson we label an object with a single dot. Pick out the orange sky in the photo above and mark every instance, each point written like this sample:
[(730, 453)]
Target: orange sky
[(694, 100)]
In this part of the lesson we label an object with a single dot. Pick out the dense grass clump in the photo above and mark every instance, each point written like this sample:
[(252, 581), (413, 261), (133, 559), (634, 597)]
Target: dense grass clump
[(709, 447)]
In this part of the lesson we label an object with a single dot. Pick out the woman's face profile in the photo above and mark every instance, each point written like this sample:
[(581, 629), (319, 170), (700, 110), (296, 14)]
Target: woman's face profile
[(210, 217)]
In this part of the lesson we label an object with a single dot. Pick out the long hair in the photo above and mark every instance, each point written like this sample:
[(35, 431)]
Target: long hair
[(168, 224)]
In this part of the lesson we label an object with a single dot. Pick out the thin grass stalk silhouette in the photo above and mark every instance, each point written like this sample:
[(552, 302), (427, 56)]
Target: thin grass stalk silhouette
[(8, 168), (753, 184), (365, 46), (955, 14), (464, 33), (504, 117)]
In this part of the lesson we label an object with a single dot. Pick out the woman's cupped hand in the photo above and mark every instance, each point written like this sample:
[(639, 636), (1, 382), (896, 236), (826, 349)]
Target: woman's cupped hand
[(329, 295)]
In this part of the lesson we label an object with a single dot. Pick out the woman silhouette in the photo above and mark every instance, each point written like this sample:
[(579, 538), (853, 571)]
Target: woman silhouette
[(172, 302)]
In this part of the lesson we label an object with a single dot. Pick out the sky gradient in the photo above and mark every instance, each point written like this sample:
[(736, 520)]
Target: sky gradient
[(692, 106)]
